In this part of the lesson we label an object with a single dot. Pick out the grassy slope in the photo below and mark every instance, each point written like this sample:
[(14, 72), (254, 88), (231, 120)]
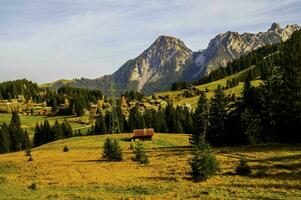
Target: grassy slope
[(80, 174), (211, 87), (29, 122), (58, 82)]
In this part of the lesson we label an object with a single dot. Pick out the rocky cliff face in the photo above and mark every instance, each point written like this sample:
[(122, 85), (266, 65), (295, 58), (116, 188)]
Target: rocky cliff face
[(168, 60), (159, 65), (231, 45)]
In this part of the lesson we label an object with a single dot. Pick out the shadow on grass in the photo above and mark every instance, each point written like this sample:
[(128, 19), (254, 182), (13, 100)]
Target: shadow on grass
[(161, 178), (94, 161), (266, 186), (279, 159), (136, 190), (262, 148), (173, 149)]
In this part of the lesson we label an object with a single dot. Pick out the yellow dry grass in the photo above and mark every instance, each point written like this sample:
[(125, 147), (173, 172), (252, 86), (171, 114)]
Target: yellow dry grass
[(82, 174)]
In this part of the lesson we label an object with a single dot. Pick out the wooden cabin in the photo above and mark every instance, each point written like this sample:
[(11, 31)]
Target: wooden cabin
[(143, 134)]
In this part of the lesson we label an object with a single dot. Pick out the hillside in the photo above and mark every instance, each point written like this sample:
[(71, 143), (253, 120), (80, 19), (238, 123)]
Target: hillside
[(168, 60), (81, 174), (178, 98)]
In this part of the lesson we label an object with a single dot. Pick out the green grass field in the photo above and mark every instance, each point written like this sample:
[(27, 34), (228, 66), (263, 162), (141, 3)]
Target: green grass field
[(211, 87), (29, 122), (82, 174)]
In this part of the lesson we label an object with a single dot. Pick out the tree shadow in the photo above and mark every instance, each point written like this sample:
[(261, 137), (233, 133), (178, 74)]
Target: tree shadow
[(278, 159), (93, 161), (261, 148), (267, 186)]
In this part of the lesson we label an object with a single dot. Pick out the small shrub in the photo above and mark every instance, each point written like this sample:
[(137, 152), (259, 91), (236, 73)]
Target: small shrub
[(66, 149), (33, 186), (112, 150), (243, 168), (203, 163), (261, 173), (139, 154), (28, 152), (131, 146)]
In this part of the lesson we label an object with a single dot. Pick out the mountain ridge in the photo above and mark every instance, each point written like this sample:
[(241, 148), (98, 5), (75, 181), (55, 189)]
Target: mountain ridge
[(169, 60)]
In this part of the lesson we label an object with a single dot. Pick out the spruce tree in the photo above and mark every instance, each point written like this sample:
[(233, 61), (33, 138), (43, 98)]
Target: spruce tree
[(16, 132), (37, 138), (67, 129), (200, 121), (112, 150), (100, 125), (4, 139), (139, 154), (217, 129), (203, 163)]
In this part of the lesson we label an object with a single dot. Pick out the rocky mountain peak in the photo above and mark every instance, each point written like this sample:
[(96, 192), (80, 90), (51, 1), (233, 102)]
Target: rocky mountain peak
[(275, 27)]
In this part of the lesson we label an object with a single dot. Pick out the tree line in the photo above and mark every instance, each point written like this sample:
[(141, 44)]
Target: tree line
[(164, 120), (78, 99), (23, 87), (13, 137), (45, 133)]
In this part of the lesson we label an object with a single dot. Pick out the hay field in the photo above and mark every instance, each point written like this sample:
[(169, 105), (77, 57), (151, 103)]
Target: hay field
[(82, 174)]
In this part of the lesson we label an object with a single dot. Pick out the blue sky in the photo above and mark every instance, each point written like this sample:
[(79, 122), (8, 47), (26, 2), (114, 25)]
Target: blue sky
[(46, 40)]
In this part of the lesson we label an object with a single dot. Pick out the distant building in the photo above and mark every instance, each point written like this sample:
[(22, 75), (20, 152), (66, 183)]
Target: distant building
[(143, 134)]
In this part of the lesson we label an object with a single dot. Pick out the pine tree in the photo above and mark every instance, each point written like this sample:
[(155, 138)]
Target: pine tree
[(112, 150), (25, 140), (100, 125), (67, 129), (139, 154), (217, 129), (200, 121), (38, 138), (203, 163), (56, 131), (4, 139), (45, 131), (16, 132)]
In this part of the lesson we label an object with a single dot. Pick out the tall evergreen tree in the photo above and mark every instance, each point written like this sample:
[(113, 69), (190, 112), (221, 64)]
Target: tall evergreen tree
[(67, 129), (100, 125), (16, 132), (38, 137), (4, 139), (217, 129), (200, 121)]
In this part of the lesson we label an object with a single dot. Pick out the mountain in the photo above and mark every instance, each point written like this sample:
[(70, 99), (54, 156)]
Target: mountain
[(228, 46), (168, 60)]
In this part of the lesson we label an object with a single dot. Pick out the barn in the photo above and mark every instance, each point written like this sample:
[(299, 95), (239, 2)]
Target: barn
[(143, 134)]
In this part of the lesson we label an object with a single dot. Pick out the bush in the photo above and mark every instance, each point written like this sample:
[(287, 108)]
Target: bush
[(32, 186), (139, 154), (28, 152), (203, 163), (66, 149), (112, 150), (243, 168)]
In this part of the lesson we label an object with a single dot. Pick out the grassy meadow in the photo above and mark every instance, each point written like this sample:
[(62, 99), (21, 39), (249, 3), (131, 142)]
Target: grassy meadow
[(211, 88), (82, 174)]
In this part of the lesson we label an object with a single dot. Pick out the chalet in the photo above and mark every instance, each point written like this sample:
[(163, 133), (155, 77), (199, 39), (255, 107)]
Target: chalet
[(143, 134)]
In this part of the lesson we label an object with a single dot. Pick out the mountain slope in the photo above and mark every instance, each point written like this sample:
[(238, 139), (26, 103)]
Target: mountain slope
[(168, 60)]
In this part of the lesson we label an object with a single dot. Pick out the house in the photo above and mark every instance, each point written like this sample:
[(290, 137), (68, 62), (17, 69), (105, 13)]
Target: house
[(143, 134)]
